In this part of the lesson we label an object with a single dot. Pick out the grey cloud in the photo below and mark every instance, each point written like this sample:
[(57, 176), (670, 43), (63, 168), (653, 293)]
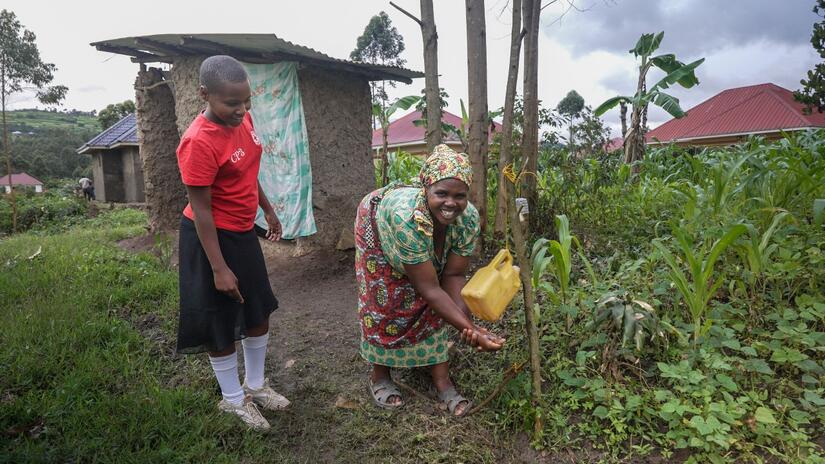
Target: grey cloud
[(692, 27)]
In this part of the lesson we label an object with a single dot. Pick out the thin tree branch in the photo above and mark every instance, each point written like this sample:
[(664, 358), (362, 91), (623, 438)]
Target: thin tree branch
[(509, 375), (412, 16), (571, 6), (548, 4)]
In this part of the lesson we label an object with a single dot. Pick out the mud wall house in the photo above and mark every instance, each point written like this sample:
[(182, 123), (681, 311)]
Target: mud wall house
[(21, 180), (730, 117), (334, 114), (117, 169)]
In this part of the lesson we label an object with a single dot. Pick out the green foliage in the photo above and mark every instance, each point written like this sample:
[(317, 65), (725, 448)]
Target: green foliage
[(52, 153), (402, 167), (383, 115), (559, 260), (421, 106), (697, 287), (632, 321), (35, 121), (20, 63), (813, 88), (114, 112), (77, 375), (571, 105), (591, 134), (381, 44), (41, 211), (759, 249), (725, 244), (676, 72)]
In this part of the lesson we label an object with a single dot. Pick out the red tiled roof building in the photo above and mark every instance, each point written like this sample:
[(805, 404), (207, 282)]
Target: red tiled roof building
[(21, 180), (734, 114), (405, 135)]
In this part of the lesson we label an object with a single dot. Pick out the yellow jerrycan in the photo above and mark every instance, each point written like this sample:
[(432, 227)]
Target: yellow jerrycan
[(493, 287)]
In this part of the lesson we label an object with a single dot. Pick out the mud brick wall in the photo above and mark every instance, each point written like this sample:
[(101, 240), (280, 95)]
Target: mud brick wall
[(337, 110), (158, 138)]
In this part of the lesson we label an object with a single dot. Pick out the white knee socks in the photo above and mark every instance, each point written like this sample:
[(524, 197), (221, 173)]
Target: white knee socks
[(254, 355), (226, 370)]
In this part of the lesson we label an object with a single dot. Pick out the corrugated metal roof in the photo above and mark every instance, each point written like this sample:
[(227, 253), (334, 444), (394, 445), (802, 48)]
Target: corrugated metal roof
[(123, 132), (404, 131), (19, 179), (759, 108), (260, 48)]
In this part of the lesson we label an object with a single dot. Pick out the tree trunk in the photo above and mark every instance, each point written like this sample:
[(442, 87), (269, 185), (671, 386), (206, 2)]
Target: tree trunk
[(530, 138), (431, 89), (531, 326), (505, 151), (507, 194), (623, 117), (477, 111), (7, 149), (570, 144), (634, 145), (384, 156)]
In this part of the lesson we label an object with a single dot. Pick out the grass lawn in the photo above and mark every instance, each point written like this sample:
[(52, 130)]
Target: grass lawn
[(80, 383), (34, 120)]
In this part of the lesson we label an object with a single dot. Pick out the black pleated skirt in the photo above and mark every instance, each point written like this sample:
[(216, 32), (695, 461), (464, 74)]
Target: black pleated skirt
[(210, 320)]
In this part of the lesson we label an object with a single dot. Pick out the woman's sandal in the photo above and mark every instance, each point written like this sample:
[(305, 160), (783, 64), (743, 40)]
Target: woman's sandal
[(451, 399), (382, 391)]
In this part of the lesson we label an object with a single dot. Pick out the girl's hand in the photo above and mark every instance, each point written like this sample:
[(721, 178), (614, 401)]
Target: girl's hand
[(226, 282), (482, 339), (275, 231)]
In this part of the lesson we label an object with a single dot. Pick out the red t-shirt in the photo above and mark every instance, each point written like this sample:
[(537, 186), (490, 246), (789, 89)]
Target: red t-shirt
[(227, 159)]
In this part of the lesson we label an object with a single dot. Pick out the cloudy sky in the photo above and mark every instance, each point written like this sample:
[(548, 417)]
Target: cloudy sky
[(584, 48)]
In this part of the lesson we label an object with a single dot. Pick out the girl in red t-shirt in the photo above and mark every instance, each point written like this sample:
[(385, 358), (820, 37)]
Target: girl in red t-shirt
[(225, 294)]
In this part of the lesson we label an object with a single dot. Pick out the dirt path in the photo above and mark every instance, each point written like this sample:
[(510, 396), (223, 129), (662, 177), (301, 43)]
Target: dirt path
[(313, 360)]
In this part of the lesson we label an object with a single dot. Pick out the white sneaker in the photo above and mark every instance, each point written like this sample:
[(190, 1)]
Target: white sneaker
[(247, 412), (266, 397)]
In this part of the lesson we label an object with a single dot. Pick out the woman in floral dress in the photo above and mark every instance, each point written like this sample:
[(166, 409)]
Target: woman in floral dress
[(413, 248)]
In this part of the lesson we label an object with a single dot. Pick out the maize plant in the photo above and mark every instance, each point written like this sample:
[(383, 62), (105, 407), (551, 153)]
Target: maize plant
[(697, 286)]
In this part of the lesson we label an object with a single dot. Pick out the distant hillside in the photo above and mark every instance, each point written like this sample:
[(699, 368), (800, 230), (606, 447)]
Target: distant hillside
[(37, 120)]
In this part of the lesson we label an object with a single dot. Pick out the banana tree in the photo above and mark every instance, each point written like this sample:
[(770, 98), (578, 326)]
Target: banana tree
[(676, 73), (383, 115)]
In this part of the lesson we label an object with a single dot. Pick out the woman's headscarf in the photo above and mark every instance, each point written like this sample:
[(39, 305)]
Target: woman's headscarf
[(443, 163)]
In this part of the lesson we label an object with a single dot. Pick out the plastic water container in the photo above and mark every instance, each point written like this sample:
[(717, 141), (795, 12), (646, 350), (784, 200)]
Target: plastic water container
[(492, 288)]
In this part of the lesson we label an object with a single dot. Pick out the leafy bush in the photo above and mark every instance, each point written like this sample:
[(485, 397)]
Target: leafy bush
[(401, 167), (41, 210), (729, 248)]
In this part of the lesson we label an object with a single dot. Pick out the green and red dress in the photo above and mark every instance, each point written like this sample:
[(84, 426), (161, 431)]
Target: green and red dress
[(394, 227)]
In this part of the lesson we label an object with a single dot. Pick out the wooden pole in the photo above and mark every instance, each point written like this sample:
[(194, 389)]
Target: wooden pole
[(7, 149), (506, 153), (477, 102), (530, 139)]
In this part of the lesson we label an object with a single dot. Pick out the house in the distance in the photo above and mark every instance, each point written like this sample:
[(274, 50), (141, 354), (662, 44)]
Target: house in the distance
[(404, 134), (733, 115), (116, 165), (21, 180)]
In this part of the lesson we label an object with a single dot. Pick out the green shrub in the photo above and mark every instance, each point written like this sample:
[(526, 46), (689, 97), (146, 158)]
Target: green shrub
[(40, 210)]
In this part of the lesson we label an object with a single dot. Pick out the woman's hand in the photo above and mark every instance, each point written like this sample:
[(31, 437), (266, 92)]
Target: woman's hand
[(482, 339), (227, 283), (275, 230)]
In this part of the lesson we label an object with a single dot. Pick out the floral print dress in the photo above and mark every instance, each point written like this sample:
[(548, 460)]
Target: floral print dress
[(393, 227)]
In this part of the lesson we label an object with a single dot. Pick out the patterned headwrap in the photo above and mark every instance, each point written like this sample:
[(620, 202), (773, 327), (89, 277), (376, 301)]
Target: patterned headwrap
[(443, 163)]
